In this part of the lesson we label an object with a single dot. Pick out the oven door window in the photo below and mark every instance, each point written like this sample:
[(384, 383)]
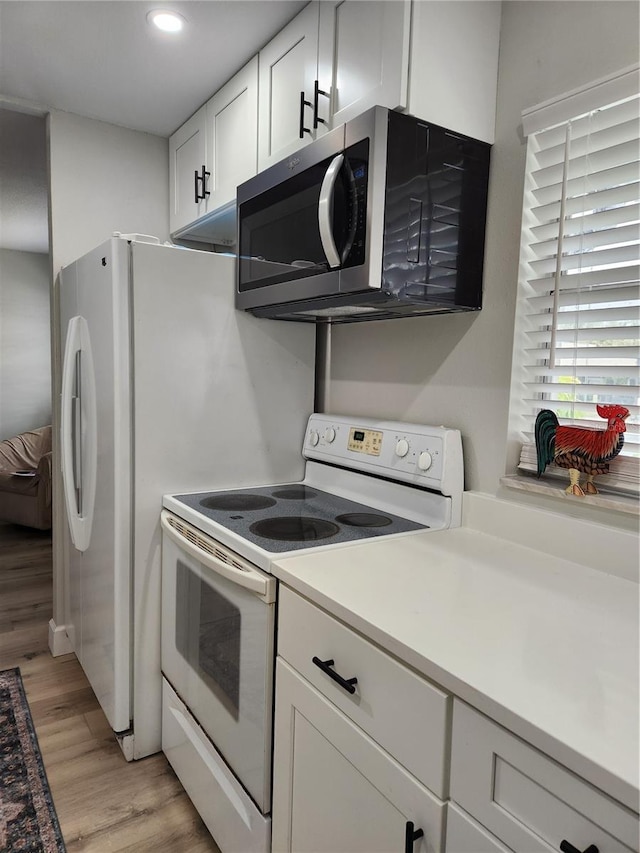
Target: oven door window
[(279, 234), (208, 628), (218, 655)]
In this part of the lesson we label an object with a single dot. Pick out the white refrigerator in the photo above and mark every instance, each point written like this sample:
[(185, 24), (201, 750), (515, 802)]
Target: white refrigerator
[(165, 388)]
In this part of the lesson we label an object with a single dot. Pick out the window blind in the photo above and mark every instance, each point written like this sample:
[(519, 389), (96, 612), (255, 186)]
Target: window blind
[(578, 324)]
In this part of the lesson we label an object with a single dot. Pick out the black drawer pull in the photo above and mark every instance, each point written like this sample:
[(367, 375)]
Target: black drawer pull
[(325, 666), (567, 847), (411, 835)]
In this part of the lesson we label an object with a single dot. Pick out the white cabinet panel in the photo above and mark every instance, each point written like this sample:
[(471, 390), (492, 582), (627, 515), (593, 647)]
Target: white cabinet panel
[(363, 56), (210, 155), (232, 135), (334, 788), (454, 65), (345, 56), (287, 67), (464, 835), (187, 153), (401, 711), (525, 798)]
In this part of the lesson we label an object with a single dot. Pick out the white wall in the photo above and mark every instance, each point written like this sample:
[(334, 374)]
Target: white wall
[(103, 178), (455, 369), (25, 365)]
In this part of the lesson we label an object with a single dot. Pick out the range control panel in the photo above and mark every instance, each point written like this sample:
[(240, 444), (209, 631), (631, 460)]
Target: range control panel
[(365, 441), (413, 453)]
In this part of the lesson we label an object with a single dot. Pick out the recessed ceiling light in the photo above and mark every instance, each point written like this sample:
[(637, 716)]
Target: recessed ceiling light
[(168, 22)]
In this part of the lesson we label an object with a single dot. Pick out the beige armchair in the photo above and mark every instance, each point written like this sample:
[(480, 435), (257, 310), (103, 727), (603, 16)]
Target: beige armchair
[(25, 498)]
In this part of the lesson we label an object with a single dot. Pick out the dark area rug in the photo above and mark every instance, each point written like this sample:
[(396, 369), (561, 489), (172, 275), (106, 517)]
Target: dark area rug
[(28, 821)]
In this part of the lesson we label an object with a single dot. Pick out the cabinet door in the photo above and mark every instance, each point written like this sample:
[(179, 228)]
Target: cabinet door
[(334, 788), (453, 73), (363, 56), (527, 799), (187, 153), (288, 66), (232, 135), (466, 836)]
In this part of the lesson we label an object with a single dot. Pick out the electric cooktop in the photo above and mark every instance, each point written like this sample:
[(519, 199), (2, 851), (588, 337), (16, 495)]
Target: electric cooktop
[(292, 516), (363, 479)]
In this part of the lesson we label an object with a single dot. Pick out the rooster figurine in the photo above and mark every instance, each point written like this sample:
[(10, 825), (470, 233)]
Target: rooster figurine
[(580, 449)]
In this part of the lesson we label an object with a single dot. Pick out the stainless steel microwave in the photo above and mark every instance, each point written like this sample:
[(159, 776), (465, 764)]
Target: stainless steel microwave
[(382, 217)]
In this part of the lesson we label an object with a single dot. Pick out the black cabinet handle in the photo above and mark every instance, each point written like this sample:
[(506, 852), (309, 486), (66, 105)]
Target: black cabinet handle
[(567, 847), (325, 666), (196, 189), (201, 179), (303, 103), (317, 91), (410, 835)]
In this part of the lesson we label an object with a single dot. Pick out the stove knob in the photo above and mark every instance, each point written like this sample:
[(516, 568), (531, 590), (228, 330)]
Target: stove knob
[(329, 434), (402, 448), (314, 438), (424, 460)]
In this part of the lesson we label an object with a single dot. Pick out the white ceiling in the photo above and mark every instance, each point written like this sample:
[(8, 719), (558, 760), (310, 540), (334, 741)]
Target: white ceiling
[(100, 59)]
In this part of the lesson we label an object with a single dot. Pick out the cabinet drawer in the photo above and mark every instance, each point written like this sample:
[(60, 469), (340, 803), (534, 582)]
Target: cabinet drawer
[(529, 801), (401, 711)]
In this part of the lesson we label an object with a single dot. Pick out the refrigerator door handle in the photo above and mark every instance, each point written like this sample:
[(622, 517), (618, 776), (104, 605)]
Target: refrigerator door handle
[(78, 436), (76, 430)]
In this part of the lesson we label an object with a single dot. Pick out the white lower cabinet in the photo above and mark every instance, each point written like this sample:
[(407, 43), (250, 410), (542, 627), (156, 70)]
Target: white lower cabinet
[(464, 835), (371, 757), (525, 799), (334, 789)]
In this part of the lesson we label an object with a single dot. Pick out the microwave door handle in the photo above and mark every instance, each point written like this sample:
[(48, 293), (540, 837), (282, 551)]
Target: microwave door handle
[(325, 207)]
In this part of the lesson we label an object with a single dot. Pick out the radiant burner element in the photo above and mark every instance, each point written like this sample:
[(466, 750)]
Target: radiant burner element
[(233, 502), (295, 493), (294, 529), (363, 519)]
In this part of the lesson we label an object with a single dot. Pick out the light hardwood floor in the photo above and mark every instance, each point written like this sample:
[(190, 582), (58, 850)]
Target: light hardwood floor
[(104, 803)]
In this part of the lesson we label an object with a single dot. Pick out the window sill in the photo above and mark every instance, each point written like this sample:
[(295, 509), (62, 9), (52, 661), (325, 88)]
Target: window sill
[(619, 503)]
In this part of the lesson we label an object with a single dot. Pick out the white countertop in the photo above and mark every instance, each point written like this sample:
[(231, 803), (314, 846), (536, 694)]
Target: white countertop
[(545, 646)]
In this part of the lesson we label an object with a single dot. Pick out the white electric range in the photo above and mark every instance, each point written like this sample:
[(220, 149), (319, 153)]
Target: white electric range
[(363, 478)]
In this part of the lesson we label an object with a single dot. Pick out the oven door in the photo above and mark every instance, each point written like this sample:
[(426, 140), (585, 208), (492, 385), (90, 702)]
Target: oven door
[(301, 222), (218, 619)]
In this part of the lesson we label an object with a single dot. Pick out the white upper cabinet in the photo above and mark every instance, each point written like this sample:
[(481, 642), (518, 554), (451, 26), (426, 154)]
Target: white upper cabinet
[(232, 135), (214, 151), (187, 149), (363, 56), (288, 69), (334, 60), (453, 74)]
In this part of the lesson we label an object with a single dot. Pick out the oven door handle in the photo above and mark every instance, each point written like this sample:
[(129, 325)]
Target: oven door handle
[(325, 209), (264, 586)]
